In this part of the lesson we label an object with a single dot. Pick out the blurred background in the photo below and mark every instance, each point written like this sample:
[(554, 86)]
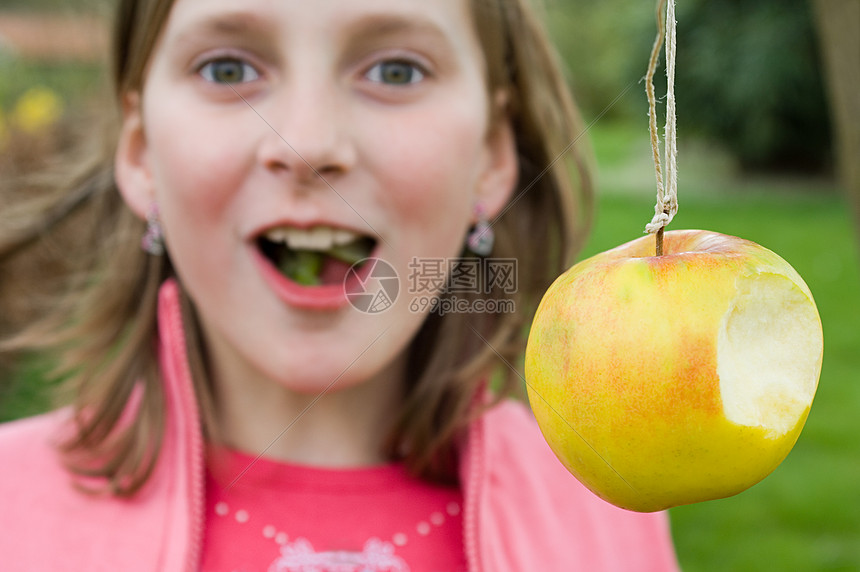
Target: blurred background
[(768, 122)]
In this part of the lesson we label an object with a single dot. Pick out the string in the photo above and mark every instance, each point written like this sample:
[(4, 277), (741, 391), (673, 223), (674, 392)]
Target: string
[(667, 194)]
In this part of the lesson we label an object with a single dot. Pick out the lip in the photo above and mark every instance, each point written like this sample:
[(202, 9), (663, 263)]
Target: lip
[(321, 298)]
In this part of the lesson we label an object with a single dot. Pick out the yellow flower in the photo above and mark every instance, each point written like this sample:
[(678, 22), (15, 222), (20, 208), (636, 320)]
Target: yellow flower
[(37, 109)]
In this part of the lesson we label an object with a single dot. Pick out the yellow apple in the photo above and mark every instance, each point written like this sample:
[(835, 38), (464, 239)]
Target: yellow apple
[(662, 381)]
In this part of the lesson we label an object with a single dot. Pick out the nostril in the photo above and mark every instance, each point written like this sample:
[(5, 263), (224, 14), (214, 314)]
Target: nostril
[(302, 168), (306, 160), (329, 170)]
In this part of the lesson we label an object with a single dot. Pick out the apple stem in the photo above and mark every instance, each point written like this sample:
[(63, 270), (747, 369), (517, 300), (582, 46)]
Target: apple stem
[(659, 239)]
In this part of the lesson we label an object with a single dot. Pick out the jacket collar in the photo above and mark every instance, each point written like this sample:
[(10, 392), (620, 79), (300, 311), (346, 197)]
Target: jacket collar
[(183, 448)]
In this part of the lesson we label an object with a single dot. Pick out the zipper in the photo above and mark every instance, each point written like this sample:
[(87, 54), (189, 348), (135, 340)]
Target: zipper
[(195, 453), (187, 418), (472, 494)]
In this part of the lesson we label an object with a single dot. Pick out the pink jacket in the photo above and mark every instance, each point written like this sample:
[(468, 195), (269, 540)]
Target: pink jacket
[(523, 511)]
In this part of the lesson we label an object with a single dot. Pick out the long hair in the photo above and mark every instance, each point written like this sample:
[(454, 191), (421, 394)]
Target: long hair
[(98, 320)]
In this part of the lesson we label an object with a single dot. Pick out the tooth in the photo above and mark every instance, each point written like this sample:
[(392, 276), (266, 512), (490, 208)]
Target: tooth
[(342, 236), (321, 237), (276, 235), (317, 238), (295, 238)]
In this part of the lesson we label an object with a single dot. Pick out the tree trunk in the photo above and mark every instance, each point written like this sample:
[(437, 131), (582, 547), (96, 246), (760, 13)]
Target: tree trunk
[(838, 24)]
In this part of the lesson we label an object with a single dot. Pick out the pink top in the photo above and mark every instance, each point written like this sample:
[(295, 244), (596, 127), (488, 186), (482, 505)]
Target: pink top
[(268, 515)]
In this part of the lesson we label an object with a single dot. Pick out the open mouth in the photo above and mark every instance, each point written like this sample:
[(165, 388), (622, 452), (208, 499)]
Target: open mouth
[(316, 256)]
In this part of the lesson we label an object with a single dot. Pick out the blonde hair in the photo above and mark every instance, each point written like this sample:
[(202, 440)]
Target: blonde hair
[(99, 322)]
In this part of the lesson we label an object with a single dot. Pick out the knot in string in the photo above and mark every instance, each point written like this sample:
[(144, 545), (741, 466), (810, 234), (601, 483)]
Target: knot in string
[(667, 195)]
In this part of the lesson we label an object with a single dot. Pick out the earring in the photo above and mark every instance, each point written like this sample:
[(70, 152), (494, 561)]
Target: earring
[(481, 238), (153, 239)]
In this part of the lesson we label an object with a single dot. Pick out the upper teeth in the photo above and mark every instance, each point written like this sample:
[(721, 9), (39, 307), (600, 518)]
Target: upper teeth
[(317, 238)]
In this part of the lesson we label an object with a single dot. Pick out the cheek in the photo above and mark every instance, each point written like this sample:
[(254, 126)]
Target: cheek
[(197, 173), (433, 168), (194, 166)]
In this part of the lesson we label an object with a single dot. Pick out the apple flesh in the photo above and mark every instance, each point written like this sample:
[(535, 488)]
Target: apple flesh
[(662, 381)]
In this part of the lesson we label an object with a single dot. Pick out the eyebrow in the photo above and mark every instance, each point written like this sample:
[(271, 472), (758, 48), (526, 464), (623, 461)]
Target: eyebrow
[(372, 26), (239, 22), (226, 24), (374, 29), (387, 24)]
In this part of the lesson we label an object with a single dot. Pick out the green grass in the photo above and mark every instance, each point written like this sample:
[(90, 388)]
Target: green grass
[(804, 516), (24, 391)]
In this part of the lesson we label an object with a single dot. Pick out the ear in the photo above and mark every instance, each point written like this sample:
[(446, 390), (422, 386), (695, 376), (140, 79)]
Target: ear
[(502, 167), (131, 165)]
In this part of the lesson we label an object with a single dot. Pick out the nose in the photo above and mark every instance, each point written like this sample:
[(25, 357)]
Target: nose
[(307, 138)]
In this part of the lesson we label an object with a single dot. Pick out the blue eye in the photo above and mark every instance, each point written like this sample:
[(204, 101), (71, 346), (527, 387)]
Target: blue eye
[(228, 70), (395, 72)]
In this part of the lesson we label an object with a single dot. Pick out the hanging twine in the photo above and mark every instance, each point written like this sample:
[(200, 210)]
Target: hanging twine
[(667, 194)]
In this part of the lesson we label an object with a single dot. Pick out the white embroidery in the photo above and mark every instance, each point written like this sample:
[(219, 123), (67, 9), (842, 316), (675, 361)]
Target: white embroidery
[(377, 555), (300, 556)]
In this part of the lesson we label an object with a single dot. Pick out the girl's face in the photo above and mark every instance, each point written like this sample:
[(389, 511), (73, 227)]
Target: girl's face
[(323, 122)]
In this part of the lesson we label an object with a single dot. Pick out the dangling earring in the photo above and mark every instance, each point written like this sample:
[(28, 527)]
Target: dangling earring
[(481, 237), (153, 239)]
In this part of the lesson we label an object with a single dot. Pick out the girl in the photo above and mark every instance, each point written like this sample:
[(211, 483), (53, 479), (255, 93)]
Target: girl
[(247, 398)]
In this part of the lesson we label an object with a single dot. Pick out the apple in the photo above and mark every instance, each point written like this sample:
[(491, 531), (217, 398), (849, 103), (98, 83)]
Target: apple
[(667, 380)]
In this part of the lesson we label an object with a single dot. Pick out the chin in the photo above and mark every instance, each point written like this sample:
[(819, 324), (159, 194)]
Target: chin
[(313, 375)]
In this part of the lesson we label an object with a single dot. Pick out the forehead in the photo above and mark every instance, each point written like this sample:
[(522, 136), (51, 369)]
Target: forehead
[(448, 20)]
